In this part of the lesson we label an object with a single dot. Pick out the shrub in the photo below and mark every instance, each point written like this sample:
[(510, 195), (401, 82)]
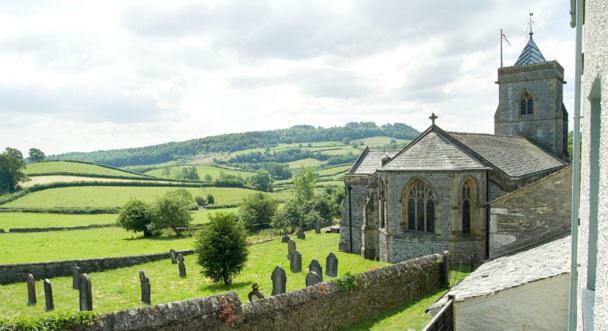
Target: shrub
[(136, 216), (210, 199), (346, 282), (221, 247), (200, 201), (257, 211), (261, 181), (172, 211)]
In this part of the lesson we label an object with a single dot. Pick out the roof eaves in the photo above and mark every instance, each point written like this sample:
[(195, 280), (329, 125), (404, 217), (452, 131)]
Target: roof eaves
[(358, 161)]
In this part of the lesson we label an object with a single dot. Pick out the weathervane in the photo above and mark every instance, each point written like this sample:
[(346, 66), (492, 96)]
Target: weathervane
[(530, 24), (433, 117)]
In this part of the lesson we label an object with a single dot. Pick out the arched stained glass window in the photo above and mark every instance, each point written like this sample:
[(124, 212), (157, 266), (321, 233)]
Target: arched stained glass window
[(420, 207), (466, 207)]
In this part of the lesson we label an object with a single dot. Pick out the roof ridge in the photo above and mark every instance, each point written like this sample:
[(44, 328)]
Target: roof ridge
[(485, 134)]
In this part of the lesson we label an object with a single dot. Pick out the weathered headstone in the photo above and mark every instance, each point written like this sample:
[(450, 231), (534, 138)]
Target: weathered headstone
[(317, 227), (173, 256), (75, 277), (48, 296), (86, 293), (291, 247), (300, 234), (312, 278), (181, 266), (255, 293), (145, 287), (31, 290), (279, 281), (285, 237), (295, 263), (315, 266), (331, 265)]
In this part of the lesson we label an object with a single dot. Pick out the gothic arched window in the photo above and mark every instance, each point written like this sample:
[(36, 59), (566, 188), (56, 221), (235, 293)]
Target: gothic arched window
[(526, 104), (382, 205), (420, 206), (468, 203)]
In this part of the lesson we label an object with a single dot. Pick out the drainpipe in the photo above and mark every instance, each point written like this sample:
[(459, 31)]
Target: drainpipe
[(350, 220), (487, 217), (574, 220)]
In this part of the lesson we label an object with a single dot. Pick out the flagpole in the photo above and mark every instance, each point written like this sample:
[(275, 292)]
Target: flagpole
[(501, 47)]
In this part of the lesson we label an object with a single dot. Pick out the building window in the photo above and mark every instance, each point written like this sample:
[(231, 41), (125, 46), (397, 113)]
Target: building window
[(594, 183), (526, 104), (420, 206), (466, 207), (382, 205)]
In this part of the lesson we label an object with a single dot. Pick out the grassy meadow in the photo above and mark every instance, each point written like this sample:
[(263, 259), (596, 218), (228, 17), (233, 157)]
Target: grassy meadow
[(202, 172), (78, 168), (119, 289)]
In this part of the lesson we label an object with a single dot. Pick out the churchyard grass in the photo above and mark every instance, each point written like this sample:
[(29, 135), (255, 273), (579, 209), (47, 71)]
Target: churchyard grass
[(119, 289), (117, 196), (202, 172), (9, 220), (74, 168)]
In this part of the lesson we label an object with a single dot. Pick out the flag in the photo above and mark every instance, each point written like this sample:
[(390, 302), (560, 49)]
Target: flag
[(504, 36)]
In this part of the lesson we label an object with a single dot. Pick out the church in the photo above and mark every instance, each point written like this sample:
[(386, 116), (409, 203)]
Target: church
[(437, 193)]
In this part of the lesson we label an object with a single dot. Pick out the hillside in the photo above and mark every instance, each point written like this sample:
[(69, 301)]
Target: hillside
[(188, 150)]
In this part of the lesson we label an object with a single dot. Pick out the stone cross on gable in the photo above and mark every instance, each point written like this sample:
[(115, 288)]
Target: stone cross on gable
[(433, 117)]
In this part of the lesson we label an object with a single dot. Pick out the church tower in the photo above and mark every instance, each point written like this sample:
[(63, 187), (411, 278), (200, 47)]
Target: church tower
[(531, 101)]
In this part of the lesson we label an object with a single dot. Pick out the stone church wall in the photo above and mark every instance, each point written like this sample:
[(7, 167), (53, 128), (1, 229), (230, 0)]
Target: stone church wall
[(537, 212), (357, 199)]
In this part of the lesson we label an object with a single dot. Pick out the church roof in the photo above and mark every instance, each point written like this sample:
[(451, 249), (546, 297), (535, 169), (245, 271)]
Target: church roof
[(516, 156), (433, 150), (369, 161), (530, 54)]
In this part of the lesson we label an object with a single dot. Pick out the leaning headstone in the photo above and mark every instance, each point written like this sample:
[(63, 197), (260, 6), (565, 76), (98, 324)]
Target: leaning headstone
[(279, 281), (295, 263), (331, 265), (300, 234), (317, 227), (31, 290), (291, 247), (86, 293), (181, 266), (173, 256), (255, 293), (315, 266), (75, 277), (48, 296), (312, 278), (285, 237), (145, 287)]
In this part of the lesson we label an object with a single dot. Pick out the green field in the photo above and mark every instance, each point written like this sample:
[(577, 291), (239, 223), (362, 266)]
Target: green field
[(116, 196), (379, 141), (310, 162), (202, 172), (119, 289), (74, 168), (334, 171), (42, 220)]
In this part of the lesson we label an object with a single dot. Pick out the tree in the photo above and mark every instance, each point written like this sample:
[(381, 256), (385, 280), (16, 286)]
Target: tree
[(11, 170), (208, 178), (257, 211), (14, 153), (173, 211), (210, 199), (166, 172), (136, 216), (262, 181), (304, 183), (221, 247), (36, 155)]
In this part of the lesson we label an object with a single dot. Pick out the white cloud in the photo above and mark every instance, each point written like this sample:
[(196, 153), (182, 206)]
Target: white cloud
[(86, 76)]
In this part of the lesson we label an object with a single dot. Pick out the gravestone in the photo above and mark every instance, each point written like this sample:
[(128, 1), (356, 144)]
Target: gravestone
[(181, 266), (315, 266), (300, 234), (48, 296), (295, 263), (145, 287), (86, 293), (291, 247), (75, 277), (331, 265), (31, 290), (285, 237), (255, 293), (312, 278), (317, 227), (279, 281), (173, 256)]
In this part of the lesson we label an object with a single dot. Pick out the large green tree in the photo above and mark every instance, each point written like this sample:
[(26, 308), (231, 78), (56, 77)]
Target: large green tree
[(173, 211), (262, 181), (136, 216), (257, 210), (221, 247), (11, 170), (36, 155)]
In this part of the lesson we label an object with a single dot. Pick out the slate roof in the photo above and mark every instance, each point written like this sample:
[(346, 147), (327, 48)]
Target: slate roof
[(433, 150), (515, 156), (369, 161), (542, 262), (530, 54)]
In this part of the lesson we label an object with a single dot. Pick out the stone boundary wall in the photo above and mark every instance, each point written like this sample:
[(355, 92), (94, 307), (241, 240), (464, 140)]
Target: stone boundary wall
[(12, 273), (323, 306), (61, 228)]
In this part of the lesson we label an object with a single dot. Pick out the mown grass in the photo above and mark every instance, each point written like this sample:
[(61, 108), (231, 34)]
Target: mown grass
[(119, 289), (42, 220), (74, 168), (202, 172), (117, 196)]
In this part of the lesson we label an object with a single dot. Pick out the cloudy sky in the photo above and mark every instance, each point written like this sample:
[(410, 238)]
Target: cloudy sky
[(85, 75)]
